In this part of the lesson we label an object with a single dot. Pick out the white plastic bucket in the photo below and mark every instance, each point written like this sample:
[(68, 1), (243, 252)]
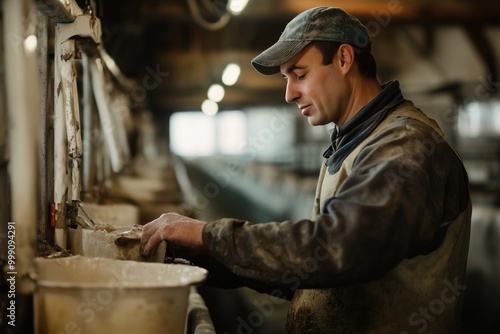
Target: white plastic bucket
[(97, 295)]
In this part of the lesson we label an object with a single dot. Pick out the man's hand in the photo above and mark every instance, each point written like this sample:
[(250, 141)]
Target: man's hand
[(177, 230)]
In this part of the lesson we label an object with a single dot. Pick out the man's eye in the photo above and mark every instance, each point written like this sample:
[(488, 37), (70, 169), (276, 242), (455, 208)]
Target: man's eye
[(300, 77)]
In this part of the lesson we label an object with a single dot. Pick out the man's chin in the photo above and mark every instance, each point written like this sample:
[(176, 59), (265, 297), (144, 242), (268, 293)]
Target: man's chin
[(313, 122)]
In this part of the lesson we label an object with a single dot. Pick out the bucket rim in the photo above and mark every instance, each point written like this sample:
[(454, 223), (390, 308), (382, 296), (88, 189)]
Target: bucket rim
[(189, 275)]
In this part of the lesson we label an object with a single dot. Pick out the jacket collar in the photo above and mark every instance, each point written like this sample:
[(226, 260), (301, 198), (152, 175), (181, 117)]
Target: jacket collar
[(347, 137)]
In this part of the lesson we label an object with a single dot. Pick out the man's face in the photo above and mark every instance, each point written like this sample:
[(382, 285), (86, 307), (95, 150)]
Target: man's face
[(320, 91)]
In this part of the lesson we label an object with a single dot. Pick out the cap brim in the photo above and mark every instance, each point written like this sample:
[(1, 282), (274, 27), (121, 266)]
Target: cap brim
[(269, 61)]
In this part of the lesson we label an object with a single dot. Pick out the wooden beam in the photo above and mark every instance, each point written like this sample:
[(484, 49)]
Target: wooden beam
[(385, 12), (378, 11)]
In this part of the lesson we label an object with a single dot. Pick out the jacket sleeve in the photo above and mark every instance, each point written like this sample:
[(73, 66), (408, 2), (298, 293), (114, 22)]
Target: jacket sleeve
[(406, 185)]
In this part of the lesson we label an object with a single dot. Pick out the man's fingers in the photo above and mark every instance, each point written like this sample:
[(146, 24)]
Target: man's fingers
[(151, 238), (150, 244), (176, 229)]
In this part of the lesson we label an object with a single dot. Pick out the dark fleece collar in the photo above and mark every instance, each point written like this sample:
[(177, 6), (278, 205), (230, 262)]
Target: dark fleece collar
[(347, 137)]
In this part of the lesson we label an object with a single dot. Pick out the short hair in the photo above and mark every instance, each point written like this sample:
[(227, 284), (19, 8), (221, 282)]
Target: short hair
[(363, 57)]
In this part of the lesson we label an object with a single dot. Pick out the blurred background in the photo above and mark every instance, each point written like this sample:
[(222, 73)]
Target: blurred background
[(196, 130)]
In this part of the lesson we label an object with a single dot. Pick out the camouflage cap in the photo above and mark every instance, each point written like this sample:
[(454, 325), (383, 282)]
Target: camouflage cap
[(315, 24)]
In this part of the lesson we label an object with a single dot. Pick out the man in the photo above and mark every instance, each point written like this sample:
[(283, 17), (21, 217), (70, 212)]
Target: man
[(385, 250)]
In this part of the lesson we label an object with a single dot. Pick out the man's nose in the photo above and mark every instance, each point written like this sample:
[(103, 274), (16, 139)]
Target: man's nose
[(291, 94)]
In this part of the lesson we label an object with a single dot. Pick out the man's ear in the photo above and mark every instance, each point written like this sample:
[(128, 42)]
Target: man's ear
[(346, 57)]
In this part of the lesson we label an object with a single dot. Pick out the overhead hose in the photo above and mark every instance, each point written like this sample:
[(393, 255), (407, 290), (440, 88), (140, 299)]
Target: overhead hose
[(202, 22)]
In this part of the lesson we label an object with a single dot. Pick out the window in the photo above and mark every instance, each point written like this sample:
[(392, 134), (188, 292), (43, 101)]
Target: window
[(194, 134), (231, 132)]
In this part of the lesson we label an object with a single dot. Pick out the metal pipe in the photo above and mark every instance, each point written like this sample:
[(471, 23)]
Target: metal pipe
[(60, 10), (125, 83), (120, 112), (67, 136), (103, 106), (88, 163), (70, 98), (72, 113), (21, 72), (45, 190), (60, 153)]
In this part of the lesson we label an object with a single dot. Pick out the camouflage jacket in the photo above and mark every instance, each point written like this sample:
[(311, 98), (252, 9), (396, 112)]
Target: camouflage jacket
[(386, 247)]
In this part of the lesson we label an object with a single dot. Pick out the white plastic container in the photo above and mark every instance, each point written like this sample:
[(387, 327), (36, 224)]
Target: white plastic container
[(97, 295), (104, 241), (118, 215)]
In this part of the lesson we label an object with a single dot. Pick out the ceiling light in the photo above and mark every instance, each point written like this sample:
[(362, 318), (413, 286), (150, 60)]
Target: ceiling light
[(30, 43), (230, 74), (216, 93), (237, 6), (209, 107)]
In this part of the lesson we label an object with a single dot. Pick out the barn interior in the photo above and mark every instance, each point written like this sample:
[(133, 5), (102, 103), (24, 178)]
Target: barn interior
[(161, 125)]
